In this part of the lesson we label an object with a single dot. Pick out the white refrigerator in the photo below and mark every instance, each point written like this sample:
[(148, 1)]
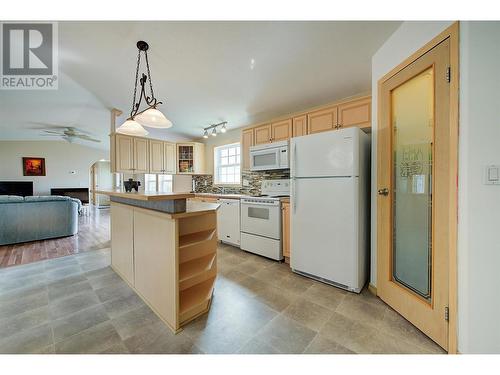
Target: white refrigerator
[(330, 207)]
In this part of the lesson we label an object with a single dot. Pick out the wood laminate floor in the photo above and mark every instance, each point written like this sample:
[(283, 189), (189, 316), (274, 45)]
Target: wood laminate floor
[(93, 234)]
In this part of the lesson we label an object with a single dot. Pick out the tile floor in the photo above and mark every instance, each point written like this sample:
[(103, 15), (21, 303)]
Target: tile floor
[(77, 304)]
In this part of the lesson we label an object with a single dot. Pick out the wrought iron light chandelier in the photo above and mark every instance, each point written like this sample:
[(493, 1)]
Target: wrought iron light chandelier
[(214, 129), (150, 116)]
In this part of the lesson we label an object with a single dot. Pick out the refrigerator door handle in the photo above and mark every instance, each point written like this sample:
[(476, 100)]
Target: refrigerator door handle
[(294, 195), (294, 160)]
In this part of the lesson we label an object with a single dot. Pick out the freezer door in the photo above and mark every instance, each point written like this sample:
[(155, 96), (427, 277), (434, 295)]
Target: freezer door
[(323, 229), (333, 153)]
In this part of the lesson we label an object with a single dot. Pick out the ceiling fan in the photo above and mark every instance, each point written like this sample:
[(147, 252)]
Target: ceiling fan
[(68, 133)]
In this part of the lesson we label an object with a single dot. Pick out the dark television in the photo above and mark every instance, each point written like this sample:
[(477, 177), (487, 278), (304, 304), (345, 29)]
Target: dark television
[(22, 188)]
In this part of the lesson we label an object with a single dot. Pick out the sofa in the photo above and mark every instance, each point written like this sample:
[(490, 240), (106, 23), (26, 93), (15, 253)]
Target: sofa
[(34, 218)]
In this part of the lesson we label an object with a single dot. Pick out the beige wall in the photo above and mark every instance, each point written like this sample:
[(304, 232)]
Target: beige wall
[(231, 136), (61, 160)]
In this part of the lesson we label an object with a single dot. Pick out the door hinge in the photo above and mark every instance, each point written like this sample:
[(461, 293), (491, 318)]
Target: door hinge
[(447, 313), (448, 74)]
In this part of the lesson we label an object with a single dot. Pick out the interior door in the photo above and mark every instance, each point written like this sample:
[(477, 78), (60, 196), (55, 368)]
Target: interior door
[(414, 177)]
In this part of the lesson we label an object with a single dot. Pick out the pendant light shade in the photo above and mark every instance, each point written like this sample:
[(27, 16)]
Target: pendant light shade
[(149, 116), (153, 118), (131, 127)]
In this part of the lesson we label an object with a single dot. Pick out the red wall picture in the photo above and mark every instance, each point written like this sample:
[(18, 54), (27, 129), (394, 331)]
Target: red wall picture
[(33, 166)]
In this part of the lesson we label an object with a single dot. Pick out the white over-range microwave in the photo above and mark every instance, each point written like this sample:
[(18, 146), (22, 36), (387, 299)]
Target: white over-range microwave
[(269, 156)]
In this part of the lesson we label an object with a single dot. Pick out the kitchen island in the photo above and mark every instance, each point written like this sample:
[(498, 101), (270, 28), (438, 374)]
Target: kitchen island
[(165, 248)]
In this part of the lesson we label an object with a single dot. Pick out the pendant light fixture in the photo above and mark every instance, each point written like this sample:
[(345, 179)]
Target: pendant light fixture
[(151, 116)]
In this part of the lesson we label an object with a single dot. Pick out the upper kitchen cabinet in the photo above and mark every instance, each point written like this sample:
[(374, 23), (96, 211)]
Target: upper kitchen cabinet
[(299, 126), (355, 113), (281, 130), (246, 143), (322, 120), (156, 150), (262, 134), (169, 158), (161, 157), (122, 153), (141, 155), (190, 158)]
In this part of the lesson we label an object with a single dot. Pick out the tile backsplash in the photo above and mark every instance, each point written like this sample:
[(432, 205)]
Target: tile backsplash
[(251, 182)]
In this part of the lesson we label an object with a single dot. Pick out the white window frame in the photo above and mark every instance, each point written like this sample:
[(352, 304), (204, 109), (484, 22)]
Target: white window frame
[(218, 150), (159, 180)]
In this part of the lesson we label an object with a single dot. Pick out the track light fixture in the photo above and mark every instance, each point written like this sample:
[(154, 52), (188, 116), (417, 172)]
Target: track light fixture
[(223, 129)]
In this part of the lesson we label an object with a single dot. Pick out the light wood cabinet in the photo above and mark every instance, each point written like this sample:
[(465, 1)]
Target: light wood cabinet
[(156, 156), (169, 158), (262, 134), (141, 155), (355, 113), (161, 157), (122, 239), (190, 158), (299, 126), (124, 153), (131, 154), (322, 120), (281, 130), (246, 143), (170, 260), (285, 219)]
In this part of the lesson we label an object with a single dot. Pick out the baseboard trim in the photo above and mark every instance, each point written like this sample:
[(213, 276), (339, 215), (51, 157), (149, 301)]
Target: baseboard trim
[(372, 288)]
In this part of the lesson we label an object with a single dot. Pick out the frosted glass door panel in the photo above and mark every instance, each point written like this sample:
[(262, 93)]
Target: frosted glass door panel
[(412, 106)]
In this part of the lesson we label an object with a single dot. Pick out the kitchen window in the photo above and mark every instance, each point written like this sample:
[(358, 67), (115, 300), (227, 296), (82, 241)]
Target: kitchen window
[(227, 164), (160, 183)]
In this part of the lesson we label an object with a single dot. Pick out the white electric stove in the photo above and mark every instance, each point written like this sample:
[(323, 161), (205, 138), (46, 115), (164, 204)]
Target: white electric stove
[(261, 220)]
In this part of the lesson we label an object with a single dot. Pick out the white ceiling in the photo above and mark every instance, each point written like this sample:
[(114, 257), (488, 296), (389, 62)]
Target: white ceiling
[(201, 71)]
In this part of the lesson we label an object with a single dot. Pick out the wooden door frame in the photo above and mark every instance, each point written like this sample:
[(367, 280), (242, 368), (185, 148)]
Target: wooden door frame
[(452, 32)]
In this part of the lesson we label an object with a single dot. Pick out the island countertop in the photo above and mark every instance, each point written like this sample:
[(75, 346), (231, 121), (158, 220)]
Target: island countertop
[(195, 208), (146, 195)]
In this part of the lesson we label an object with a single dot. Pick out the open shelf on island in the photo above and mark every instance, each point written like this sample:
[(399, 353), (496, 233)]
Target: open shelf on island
[(195, 238), (196, 267), (195, 299)]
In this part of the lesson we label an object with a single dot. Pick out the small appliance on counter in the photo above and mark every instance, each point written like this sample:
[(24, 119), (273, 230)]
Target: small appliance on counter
[(131, 184), (269, 156), (261, 220)]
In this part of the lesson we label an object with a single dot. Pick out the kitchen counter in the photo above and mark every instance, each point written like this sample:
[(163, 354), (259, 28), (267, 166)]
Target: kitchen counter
[(221, 195), (168, 257), (145, 195)]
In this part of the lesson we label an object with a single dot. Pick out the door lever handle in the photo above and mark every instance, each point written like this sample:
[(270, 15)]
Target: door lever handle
[(383, 191)]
